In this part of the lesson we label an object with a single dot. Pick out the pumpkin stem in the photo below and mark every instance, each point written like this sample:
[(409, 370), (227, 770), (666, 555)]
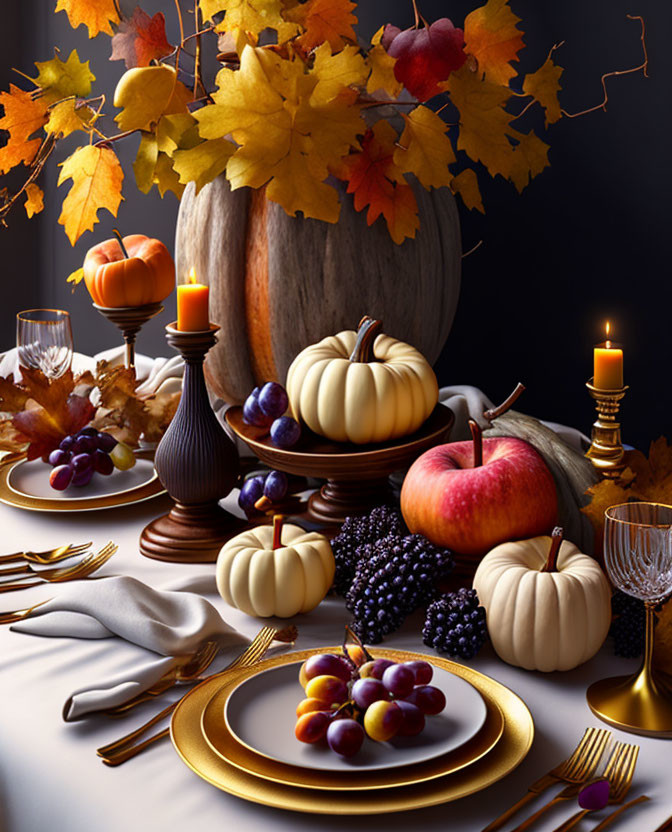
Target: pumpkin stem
[(551, 564), (477, 435), (263, 503), (367, 331), (494, 412), (116, 233), (278, 520)]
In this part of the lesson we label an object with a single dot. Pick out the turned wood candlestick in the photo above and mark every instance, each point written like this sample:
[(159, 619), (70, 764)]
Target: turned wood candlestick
[(130, 319), (198, 465)]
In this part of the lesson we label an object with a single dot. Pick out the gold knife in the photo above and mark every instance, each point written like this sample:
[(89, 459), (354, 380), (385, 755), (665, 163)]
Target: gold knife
[(618, 812)]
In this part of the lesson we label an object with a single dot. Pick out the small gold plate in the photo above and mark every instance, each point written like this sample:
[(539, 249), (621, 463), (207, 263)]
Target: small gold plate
[(20, 499), (265, 787)]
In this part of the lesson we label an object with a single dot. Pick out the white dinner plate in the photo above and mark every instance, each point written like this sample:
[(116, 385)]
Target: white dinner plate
[(261, 714)]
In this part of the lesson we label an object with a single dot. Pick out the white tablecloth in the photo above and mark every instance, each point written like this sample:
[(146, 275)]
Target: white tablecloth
[(50, 777)]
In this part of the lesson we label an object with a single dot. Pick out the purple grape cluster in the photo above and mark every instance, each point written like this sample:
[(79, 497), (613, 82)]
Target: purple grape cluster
[(455, 624), (272, 485), (265, 408), (79, 457)]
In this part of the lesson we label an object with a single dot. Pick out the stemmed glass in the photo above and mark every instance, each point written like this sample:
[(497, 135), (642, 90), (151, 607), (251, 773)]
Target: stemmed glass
[(44, 340), (638, 557)]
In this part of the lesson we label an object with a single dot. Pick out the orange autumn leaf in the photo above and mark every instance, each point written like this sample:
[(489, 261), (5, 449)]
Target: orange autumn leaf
[(23, 116), (34, 199), (324, 20), (530, 157), (377, 182), (141, 39), (96, 15), (466, 185), (424, 148), (492, 37), (544, 85), (96, 183)]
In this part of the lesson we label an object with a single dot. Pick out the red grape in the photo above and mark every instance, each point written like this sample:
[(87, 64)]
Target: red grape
[(414, 719), (382, 720), (375, 668), (325, 664), (102, 463), (61, 477), (105, 442), (273, 399), (250, 492), (285, 432), (345, 737), (275, 486), (252, 412), (367, 691), (84, 445), (311, 727), (399, 680), (82, 462), (422, 671), (329, 689), (429, 699), (66, 444), (87, 432), (59, 457), (82, 478)]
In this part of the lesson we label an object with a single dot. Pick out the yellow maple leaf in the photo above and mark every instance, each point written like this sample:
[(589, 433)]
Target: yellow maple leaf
[(96, 15), (176, 131), (145, 162), (62, 79), (382, 68), (166, 178), (335, 72), (425, 149), (204, 162), (66, 117), (96, 183), (244, 15), (268, 109), (76, 277), (466, 185), (34, 199), (146, 93), (530, 157), (492, 37), (324, 20), (544, 85), (23, 116), (485, 126)]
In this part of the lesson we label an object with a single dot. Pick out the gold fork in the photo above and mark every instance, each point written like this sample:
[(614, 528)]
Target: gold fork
[(579, 767), (48, 556), (185, 671), (82, 569), (620, 753), (33, 558), (619, 772), (118, 752)]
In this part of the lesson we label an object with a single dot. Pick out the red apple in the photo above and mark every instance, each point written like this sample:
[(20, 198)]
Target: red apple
[(472, 509)]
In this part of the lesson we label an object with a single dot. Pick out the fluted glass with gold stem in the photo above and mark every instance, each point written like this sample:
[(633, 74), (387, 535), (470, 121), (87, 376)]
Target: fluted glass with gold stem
[(638, 557)]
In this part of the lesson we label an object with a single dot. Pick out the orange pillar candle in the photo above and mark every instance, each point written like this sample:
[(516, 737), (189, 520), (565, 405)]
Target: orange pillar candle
[(192, 306), (608, 366)]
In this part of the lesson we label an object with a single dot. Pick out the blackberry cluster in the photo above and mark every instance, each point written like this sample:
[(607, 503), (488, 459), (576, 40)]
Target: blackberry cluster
[(394, 576), (628, 627), (455, 624), (357, 532)]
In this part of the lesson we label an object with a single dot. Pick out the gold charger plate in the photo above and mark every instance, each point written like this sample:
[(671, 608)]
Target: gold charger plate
[(224, 743), (509, 752), (20, 499)]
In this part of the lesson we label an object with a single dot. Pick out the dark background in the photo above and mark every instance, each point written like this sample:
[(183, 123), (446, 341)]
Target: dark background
[(587, 241)]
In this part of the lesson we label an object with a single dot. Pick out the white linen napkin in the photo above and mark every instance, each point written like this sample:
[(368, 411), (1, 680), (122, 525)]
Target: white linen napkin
[(169, 623)]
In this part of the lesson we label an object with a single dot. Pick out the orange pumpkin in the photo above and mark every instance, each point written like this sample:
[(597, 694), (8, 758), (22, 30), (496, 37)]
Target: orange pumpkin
[(146, 275)]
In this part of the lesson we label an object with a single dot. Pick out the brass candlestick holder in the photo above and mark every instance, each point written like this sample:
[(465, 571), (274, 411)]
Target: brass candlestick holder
[(197, 463), (606, 449), (130, 319)]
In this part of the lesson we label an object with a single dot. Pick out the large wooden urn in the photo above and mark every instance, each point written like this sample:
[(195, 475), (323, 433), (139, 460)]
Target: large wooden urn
[(279, 283)]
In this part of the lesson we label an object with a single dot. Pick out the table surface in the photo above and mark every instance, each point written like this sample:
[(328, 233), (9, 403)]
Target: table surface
[(50, 777)]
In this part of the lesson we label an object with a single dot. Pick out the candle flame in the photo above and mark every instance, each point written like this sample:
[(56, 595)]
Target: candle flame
[(192, 275), (608, 330)]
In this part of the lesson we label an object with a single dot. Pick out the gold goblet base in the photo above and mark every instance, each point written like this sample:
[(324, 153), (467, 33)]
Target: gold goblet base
[(640, 704)]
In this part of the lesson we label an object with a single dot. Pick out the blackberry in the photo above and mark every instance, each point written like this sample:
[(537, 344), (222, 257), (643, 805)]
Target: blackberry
[(357, 532), (394, 577), (628, 627), (455, 624)]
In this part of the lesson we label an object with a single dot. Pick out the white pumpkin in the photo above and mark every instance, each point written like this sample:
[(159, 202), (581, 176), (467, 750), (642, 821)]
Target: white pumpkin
[(351, 389), (262, 576), (548, 605)]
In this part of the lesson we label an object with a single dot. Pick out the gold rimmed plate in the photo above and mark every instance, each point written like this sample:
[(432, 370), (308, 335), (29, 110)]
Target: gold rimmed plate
[(272, 789), (25, 484)]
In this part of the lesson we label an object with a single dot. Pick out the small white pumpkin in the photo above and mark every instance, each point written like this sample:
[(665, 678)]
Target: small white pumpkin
[(275, 570), (548, 605), (351, 388)]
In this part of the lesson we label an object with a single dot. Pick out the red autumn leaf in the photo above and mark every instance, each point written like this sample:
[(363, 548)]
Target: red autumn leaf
[(425, 56), (141, 39), (376, 181), (57, 412)]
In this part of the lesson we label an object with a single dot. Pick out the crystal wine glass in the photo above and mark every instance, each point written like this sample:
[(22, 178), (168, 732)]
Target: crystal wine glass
[(44, 340), (638, 557)]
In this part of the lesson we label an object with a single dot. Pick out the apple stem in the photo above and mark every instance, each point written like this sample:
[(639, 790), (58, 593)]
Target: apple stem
[(551, 564), (477, 435), (494, 412), (367, 331), (116, 233), (278, 520)]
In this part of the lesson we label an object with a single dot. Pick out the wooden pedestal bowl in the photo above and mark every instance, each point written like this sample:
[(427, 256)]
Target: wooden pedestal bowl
[(356, 475)]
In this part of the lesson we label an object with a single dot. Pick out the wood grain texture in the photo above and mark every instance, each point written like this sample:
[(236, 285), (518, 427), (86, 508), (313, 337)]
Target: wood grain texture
[(279, 283)]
